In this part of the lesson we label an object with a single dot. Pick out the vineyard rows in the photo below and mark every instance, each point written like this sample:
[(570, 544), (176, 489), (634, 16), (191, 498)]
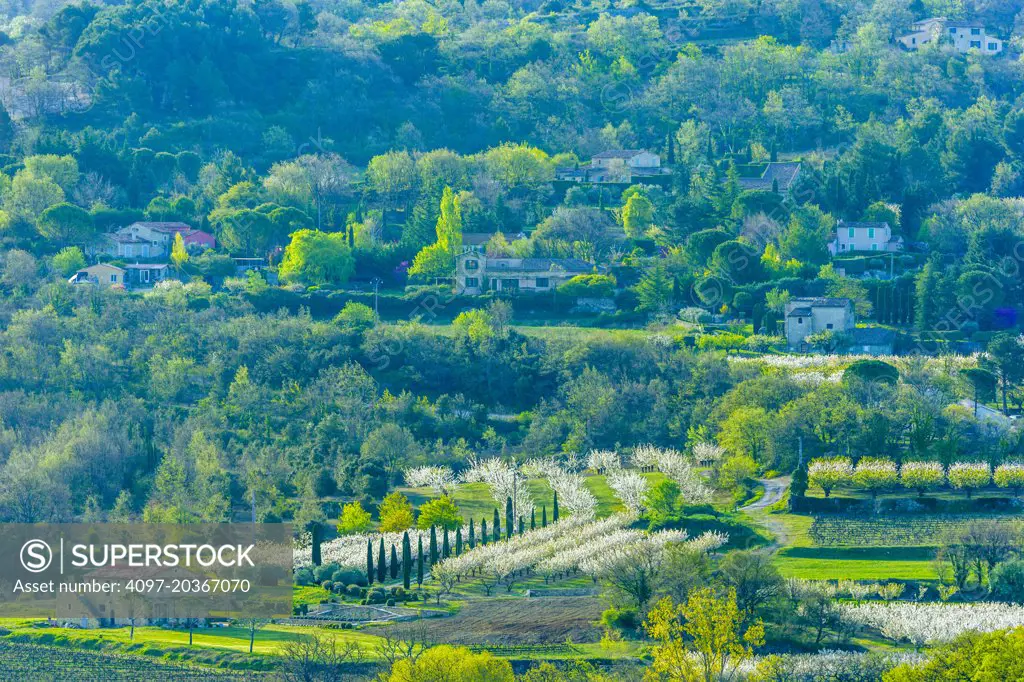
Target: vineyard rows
[(887, 531), (21, 662)]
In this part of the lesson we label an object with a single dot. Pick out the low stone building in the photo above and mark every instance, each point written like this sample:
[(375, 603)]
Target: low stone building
[(475, 273), (807, 316)]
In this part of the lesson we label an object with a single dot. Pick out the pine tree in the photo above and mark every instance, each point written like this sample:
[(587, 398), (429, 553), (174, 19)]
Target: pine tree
[(406, 560), (369, 562), (433, 545), (472, 535), (554, 508), (382, 564), (533, 518), (446, 549), (483, 531), (419, 562), (394, 563), (458, 541), (544, 516), (510, 526), (496, 527)]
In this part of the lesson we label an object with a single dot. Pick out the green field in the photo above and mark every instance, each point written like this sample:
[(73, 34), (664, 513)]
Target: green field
[(857, 563)]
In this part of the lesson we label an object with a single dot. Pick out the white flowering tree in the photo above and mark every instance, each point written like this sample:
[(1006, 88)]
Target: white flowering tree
[(829, 472), (674, 465), (440, 478), (922, 476), (924, 623), (505, 481), (969, 476), (631, 489), (573, 494), (1010, 475), (875, 475)]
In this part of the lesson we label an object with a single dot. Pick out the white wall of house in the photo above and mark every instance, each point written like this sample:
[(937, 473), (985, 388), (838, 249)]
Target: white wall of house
[(821, 318), (849, 238)]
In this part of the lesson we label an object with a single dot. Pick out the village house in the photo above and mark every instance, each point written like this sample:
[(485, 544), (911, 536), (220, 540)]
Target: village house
[(156, 239), (627, 166), (808, 316), (103, 273), (964, 36), (475, 273), (131, 276), (864, 236), (145, 275), (778, 176)]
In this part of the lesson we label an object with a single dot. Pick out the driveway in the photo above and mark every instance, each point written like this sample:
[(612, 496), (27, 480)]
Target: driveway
[(774, 489)]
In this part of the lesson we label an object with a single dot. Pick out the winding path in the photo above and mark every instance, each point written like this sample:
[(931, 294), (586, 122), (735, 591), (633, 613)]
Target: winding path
[(774, 489)]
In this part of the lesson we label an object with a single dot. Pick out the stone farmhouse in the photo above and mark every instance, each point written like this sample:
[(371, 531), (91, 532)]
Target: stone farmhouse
[(475, 273), (628, 166), (964, 36), (807, 316)]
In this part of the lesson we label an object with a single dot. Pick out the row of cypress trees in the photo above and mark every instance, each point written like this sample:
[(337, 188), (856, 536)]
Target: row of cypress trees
[(381, 569)]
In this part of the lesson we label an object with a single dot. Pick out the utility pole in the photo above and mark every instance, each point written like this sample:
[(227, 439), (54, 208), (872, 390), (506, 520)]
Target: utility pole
[(376, 286)]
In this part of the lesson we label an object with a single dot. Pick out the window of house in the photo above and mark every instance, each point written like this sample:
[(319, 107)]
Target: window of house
[(828, 326), (842, 247), (472, 264), (494, 283), (993, 47), (145, 250), (512, 284), (113, 279), (874, 247), (799, 320), (953, 31), (976, 44), (871, 233), (975, 31), (913, 41), (542, 283), (145, 275), (852, 232), (472, 282)]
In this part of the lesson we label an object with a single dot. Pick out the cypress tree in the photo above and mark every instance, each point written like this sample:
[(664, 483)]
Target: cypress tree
[(522, 525), (433, 545), (496, 529), (419, 562), (446, 549), (406, 560), (382, 564), (394, 563), (544, 517), (472, 535), (314, 532), (369, 562), (533, 518), (554, 508), (510, 523), (458, 541), (483, 531)]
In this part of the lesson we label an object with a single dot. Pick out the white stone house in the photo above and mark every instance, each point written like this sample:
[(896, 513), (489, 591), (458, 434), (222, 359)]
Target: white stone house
[(146, 239), (964, 36), (475, 273), (615, 165), (807, 316), (864, 236)]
